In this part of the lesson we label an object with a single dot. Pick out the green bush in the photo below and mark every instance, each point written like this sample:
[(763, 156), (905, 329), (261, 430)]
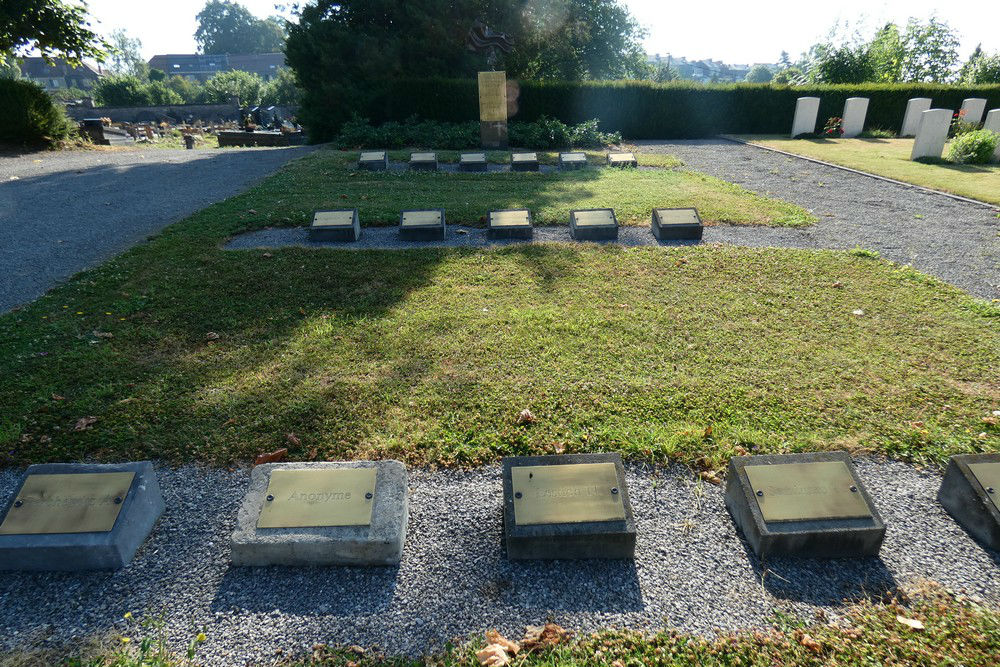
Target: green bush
[(639, 109), (544, 134), (976, 147), (30, 116)]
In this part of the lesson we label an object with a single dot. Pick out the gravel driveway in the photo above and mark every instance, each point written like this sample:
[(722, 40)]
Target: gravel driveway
[(955, 241), (63, 212), (692, 571)]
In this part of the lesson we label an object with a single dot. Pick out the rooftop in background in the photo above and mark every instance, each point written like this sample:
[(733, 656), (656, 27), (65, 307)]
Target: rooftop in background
[(705, 71), (59, 74), (202, 67)]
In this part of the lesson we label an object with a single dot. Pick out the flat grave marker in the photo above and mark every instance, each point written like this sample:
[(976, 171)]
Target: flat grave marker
[(424, 161), (931, 134), (509, 224), (351, 513), (596, 224), (567, 507), (974, 108), (335, 225), (970, 492), (423, 225), (808, 505), (671, 224), (374, 160), (524, 162), (622, 160), (911, 119), (855, 111), (806, 112), (79, 516), (574, 160), (472, 162)]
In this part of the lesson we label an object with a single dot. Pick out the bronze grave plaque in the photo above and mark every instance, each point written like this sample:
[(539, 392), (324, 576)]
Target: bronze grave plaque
[(988, 476), (421, 218), (493, 97), (572, 493), (807, 491), (68, 503), (318, 498), (596, 218), (524, 157), (678, 216), (333, 218), (372, 156), (515, 218)]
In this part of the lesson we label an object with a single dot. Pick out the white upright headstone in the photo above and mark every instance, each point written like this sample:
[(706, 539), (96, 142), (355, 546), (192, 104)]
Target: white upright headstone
[(993, 125), (911, 120), (855, 110), (806, 111), (973, 108), (932, 133)]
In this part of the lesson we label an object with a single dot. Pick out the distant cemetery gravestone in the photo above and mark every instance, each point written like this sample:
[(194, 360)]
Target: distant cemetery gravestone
[(806, 113), (931, 134), (911, 119)]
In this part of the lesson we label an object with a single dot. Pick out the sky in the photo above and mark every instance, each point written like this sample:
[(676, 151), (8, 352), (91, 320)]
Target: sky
[(734, 31)]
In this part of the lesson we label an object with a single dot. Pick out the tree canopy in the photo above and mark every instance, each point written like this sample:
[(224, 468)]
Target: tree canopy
[(229, 27), (55, 28)]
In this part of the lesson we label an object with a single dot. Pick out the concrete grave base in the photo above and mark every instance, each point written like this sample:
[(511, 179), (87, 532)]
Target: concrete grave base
[(816, 538), (140, 508), (592, 232), (509, 224), (666, 226), (344, 233), (422, 232), (374, 161), (524, 162), (600, 540), (423, 161), (572, 160), (380, 543), (472, 162), (971, 505)]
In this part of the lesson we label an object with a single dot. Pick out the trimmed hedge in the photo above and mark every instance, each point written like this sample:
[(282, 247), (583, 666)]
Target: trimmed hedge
[(29, 117), (646, 110)]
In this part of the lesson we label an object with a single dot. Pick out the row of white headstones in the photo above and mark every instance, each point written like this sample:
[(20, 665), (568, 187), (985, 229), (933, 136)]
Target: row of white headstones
[(929, 127)]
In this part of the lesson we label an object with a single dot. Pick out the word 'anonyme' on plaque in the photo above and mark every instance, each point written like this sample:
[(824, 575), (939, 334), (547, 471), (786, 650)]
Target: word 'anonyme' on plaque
[(325, 497)]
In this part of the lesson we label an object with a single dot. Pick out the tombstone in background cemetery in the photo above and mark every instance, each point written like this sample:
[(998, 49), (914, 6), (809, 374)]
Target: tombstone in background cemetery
[(911, 119), (974, 107), (677, 224), (351, 513), (595, 224), (855, 110), (806, 113), (426, 225), (524, 162), (424, 161), (809, 505), (567, 507), (622, 160), (509, 224), (374, 160), (574, 160), (75, 516), (993, 125), (931, 134), (970, 492), (335, 225), (472, 162)]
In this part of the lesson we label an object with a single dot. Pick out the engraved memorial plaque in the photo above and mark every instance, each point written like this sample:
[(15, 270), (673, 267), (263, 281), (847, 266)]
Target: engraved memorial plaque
[(318, 498), (343, 218), (807, 491), (493, 97), (420, 218), (574, 493), (517, 218), (599, 218), (372, 156), (67, 503), (988, 476)]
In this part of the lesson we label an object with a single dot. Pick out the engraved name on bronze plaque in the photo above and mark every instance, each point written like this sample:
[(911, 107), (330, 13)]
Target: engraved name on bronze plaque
[(598, 218), (573, 493), (318, 498), (805, 491), (493, 97), (421, 218), (333, 218), (67, 503), (988, 476)]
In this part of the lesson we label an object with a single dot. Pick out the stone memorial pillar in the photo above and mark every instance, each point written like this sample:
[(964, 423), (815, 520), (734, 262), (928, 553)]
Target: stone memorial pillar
[(973, 108), (932, 133), (993, 125), (911, 119), (855, 110), (806, 112), (493, 109)]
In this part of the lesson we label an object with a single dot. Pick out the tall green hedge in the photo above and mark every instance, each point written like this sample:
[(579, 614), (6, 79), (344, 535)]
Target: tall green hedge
[(29, 117), (646, 110)]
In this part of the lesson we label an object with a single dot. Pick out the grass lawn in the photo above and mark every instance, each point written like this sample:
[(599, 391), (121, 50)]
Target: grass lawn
[(181, 351), (891, 158)]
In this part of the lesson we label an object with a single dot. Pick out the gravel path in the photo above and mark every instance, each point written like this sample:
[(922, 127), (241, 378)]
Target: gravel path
[(691, 571), (63, 212)]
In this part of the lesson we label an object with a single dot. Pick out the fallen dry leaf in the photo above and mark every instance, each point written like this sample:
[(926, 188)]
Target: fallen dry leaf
[(811, 644), (710, 477), (293, 439), (526, 417), (494, 637), (211, 335), (103, 334), (541, 636), (617, 663), (84, 423), (271, 457), (910, 622), (267, 254), (493, 656), (57, 397)]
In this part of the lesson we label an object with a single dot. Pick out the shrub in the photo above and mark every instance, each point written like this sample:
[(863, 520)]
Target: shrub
[(834, 127), (121, 91), (976, 147), (30, 116)]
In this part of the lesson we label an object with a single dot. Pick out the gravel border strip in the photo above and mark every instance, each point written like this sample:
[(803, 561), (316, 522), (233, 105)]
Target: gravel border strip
[(832, 165), (692, 571)]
